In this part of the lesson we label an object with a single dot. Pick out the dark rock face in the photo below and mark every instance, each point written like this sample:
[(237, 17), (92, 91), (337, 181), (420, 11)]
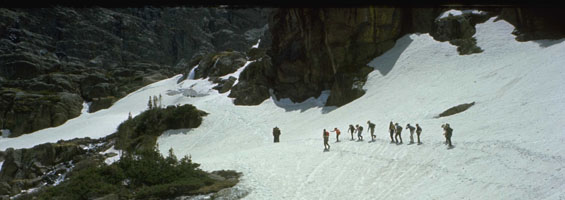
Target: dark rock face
[(535, 23), (254, 81), (100, 55), (324, 49), (25, 112)]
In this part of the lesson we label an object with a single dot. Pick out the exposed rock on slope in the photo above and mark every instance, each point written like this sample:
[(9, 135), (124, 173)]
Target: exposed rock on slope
[(322, 49), (99, 55)]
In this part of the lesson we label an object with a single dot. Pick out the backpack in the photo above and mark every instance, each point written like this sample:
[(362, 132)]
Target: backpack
[(371, 125)]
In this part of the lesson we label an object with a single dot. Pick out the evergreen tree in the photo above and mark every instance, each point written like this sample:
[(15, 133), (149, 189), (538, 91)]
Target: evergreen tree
[(150, 104), (155, 101)]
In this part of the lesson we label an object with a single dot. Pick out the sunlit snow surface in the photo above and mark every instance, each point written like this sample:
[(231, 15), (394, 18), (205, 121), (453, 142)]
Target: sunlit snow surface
[(509, 145)]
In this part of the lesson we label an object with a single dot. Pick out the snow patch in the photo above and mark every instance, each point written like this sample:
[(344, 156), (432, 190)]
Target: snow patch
[(85, 107), (256, 45), (5, 133), (192, 72), (454, 12), (112, 159)]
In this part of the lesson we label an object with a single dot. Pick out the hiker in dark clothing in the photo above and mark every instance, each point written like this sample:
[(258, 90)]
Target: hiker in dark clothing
[(372, 129), (326, 136), (351, 129), (411, 133), (448, 132), (398, 130), (359, 133), (418, 132), (391, 130), (337, 132), (276, 134)]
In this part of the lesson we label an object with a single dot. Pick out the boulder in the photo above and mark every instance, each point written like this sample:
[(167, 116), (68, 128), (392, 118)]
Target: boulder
[(225, 85), (254, 82), (459, 31), (101, 103), (246, 93)]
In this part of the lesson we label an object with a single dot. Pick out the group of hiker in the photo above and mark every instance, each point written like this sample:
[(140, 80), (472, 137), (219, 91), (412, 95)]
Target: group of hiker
[(395, 131)]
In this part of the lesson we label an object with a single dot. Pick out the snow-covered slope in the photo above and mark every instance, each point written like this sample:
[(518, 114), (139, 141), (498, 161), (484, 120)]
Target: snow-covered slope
[(509, 145)]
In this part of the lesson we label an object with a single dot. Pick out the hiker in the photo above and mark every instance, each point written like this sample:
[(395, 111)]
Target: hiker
[(448, 131), (391, 130), (398, 130), (351, 129), (337, 134), (372, 129), (326, 136), (411, 133), (276, 134), (418, 131), (359, 133)]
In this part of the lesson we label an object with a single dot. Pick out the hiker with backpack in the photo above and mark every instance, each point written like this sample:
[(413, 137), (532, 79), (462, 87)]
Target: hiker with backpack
[(448, 131), (351, 129), (372, 129), (326, 136), (391, 130), (337, 134), (418, 132), (411, 133), (398, 130), (276, 134), (359, 133)]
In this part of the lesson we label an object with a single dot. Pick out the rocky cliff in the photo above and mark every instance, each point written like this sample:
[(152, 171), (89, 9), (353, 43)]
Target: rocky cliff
[(53, 59), (329, 48)]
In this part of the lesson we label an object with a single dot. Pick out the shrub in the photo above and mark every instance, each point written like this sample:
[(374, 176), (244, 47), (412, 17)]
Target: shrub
[(142, 131)]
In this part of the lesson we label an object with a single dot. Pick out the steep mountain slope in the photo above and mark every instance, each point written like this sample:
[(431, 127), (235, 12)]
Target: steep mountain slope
[(509, 145)]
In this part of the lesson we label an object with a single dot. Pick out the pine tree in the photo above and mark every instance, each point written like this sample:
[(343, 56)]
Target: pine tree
[(160, 101), (129, 116), (150, 104), (155, 101)]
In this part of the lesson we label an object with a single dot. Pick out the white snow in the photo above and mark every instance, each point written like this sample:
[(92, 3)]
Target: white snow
[(237, 72), (509, 145), (112, 159), (5, 132), (256, 45), (85, 107), (191, 73), (454, 12)]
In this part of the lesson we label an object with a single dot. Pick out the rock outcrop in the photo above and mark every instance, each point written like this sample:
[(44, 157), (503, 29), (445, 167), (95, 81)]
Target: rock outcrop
[(45, 163), (326, 49)]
